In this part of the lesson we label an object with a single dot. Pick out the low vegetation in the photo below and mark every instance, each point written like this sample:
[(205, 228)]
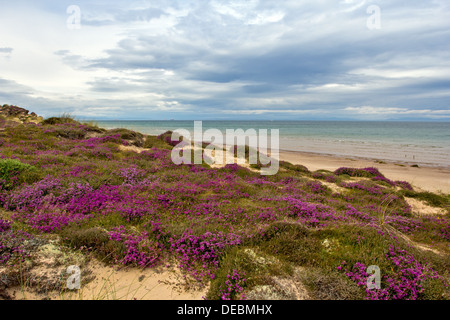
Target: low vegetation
[(242, 235)]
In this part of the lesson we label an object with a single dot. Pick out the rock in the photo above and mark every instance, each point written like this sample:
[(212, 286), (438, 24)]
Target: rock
[(18, 114)]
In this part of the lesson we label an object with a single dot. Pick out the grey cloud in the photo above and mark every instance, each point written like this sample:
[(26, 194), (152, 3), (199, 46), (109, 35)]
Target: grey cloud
[(276, 64), (6, 50), (10, 88)]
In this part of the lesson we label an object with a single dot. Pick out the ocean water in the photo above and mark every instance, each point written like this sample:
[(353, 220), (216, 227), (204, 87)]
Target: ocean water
[(426, 143)]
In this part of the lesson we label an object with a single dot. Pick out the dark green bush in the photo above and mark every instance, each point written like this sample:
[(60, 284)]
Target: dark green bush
[(293, 167), (60, 120), (154, 142), (93, 239), (72, 133), (135, 138), (330, 285)]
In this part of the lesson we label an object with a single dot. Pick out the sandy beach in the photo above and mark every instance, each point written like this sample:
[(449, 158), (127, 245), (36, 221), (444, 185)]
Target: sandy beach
[(421, 176), (433, 179)]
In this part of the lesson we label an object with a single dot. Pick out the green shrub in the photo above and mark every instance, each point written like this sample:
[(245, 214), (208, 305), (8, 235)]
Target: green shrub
[(233, 259), (72, 133), (330, 285), (13, 172), (254, 266), (136, 138), (153, 142), (65, 118), (94, 239), (293, 243), (434, 289), (93, 127), (293, 167)]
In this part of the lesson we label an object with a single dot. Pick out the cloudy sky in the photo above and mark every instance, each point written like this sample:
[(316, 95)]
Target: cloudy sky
[(239, 59)]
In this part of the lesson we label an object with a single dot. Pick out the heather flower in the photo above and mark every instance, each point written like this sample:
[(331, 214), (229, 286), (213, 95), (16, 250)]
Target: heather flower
[(362, 185), (131, 175), (405, 282), (13, 247), (234, 285), (204, 249), (140, 250), (4, 225)]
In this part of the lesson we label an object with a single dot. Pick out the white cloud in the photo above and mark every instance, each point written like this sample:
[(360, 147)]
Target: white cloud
[(368, 110), (404, 73)]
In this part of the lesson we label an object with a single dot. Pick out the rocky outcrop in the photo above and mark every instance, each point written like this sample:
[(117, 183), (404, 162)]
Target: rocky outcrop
[(18, 114)]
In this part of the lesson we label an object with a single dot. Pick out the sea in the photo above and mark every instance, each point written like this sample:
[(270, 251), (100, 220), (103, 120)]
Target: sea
[(422, 143)]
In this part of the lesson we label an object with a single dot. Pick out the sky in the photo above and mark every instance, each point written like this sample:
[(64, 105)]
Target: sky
[(235, 60)]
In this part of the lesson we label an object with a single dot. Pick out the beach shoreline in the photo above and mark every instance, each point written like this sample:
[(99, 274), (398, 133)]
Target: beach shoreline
[(426, 178), (424, 144), (423, 176)]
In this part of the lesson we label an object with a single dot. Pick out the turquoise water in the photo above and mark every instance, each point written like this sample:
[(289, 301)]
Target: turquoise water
[(410, 142)]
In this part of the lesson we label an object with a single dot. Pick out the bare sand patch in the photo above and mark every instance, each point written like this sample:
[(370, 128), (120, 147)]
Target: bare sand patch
[(110, 283), (46, 276), (131, 148), (281, 288), (136, 284), (421, 208)]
